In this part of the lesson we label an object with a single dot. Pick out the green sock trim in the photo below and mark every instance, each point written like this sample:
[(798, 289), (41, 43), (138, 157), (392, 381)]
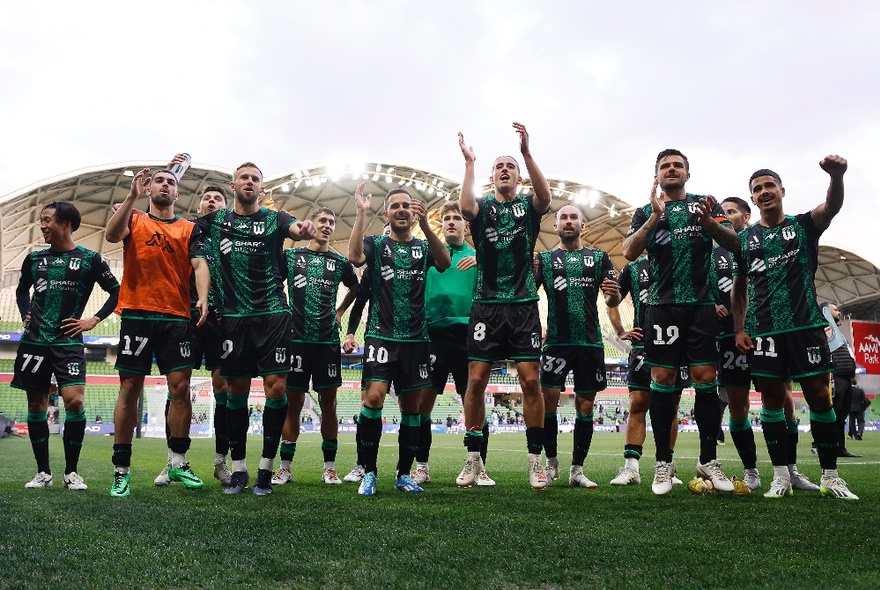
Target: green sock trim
[(371, 413), (236, 402), (276, 403), (474, 434), (329, 445), (410, 419), (38, 416), (706, 387), (424, 420), (768, 415), (549, 415), (793, 425), (662, 387), (220, 398), (584, 417), (740, 424), (76, 416), (288, 448), (826, 416), (169, 395)]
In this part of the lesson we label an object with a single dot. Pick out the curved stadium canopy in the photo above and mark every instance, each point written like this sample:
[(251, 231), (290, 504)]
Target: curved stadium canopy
[(843, 275)]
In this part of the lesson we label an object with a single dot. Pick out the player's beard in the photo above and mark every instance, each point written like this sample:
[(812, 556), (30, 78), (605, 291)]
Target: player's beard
[(162, 200), (246, 199)]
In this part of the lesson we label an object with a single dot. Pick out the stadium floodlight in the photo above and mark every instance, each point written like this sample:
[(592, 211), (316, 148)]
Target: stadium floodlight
[(441, 183), (388, 179), (285, 188), (612, 212), (593, 197), (378, 168), (402, 182), (296, 184), (375, 177), (560, 186), (390, 170), (579, 198), (430, 190), (128, 172), (309, 182)]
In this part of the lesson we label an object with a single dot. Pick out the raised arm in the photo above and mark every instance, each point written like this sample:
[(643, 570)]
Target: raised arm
[(708, 218), (642, 229), (442, 260), (117, 228), (822, 215), (356, 241), (468, 201), (543, 196)]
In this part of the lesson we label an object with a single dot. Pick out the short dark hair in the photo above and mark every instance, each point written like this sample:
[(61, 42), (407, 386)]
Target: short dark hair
[(65, 211), (169, 172), (320, 210), (671, 152), (213, 188), (741, 204), (249, 165), (396, 191), (763, 172), (449, 206)]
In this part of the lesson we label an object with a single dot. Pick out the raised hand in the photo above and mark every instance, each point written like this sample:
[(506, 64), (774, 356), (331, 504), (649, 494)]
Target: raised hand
[(362, 201), (140, 183), (835, 166), (467, 151), (523, 137), (305, 230), (704, 210), (658, 205), (420, 212)]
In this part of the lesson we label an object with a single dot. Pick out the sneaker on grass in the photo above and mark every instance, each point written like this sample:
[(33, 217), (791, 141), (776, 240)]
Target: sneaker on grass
[(184, 474), (40, 480)]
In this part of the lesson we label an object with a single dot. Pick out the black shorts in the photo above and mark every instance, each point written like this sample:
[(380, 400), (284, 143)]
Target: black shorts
[(169, 341), (35, 365), (449, 355), (733, 366), (207, 342), (255, 345), (504, 331), (678, 335), (638, 372), (315, 363), (405, 363), (587, 363), (794, 355)]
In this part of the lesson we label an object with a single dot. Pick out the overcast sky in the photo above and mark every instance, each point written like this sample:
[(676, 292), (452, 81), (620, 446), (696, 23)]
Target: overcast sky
[(601, 86)]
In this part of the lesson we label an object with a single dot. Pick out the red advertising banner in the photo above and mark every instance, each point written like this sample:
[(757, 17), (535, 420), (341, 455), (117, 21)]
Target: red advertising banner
[(866, 342)]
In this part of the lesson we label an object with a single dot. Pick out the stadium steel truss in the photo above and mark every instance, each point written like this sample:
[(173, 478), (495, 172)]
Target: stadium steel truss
[(843, 275)]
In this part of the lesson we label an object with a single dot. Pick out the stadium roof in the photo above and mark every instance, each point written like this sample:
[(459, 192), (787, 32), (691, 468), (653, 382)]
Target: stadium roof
[(843, 275)]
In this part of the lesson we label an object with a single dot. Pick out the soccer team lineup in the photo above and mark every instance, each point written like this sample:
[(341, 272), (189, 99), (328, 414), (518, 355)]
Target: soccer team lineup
[(723, 296)]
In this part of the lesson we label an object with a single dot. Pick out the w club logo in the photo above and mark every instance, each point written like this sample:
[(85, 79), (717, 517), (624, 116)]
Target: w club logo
[(185, 349), (331, 265), (589, 262), (813, 355), (519, 209), (259, 228), (536, 340), (160, 241), (789, 233), (417, 253), (73, 369), (423, 371), (332, 370), (280, 355), (74, 263)]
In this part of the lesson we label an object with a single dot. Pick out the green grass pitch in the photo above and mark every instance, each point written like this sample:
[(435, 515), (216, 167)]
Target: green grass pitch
[(308, 535)]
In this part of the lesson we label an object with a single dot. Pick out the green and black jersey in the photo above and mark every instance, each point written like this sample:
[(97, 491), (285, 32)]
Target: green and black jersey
[(679, 253), (62, 283), (721, 278), (313, 280), (504, 235), (780, 263), (572, 281), (635, 279), (397, 286), (245, 255)]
